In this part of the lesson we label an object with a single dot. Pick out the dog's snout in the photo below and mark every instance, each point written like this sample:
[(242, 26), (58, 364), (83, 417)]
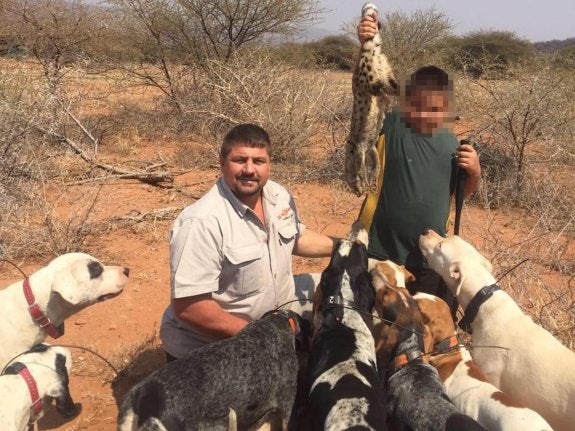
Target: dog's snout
[(126, 272)]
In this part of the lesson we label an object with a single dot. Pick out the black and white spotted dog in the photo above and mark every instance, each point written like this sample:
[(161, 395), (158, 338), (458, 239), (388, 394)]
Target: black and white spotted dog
[(416, 396), (240, 383), (346, 392)]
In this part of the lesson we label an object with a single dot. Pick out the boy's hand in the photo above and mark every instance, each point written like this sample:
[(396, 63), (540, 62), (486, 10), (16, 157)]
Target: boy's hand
[(468, 159), (367, 28)]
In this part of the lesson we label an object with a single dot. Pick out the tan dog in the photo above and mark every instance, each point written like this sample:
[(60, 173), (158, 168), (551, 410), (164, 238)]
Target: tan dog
[(530, 364), (464, 382), (66, 285), (416, 395)]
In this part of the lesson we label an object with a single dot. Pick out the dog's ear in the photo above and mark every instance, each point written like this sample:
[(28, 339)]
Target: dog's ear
[(455, 273), (377, 279), (455, 270), (409, 277)]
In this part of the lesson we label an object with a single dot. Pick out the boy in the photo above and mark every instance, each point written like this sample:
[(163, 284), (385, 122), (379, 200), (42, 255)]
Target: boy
[(418, 156)]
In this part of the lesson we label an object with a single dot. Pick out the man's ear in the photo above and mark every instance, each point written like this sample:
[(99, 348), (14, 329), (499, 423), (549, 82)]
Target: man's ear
[(222, 160)]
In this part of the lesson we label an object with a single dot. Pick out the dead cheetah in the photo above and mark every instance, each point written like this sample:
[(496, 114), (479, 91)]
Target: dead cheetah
[(373, 80)]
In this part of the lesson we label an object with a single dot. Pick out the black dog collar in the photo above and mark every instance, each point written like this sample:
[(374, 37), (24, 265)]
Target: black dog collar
[(473, 307)]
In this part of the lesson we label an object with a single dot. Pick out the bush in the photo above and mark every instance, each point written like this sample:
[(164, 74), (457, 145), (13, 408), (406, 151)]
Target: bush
[(335, 51), (488, 53)]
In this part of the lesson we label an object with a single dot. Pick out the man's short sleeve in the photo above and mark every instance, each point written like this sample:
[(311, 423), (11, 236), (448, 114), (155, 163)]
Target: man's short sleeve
[(195, 257)]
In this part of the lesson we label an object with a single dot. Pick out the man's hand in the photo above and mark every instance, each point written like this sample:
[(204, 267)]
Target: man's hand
[(468, 160), (367, 28)]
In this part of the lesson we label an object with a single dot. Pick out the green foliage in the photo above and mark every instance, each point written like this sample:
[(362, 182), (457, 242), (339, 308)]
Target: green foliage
[(565, 58), (487, 53), (338, 51)]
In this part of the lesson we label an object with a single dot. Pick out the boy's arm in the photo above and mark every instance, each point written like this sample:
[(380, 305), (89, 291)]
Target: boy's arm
[(468, 159)]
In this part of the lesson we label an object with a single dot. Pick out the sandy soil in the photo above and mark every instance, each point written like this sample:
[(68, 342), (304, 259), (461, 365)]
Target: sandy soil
[(124, 329)]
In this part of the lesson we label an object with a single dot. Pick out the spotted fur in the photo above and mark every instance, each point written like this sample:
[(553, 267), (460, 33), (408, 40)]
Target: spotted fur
[(373, 80), (345, 390), (240, 383)]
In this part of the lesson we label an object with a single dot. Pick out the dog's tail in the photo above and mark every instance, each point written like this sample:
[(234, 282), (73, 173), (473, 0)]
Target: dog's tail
[(149, 404)]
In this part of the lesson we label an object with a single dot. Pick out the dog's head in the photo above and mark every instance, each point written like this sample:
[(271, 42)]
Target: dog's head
[(50, 368), (455, 260), (80, 280), (401, 319), (345, 282), (437, 317)]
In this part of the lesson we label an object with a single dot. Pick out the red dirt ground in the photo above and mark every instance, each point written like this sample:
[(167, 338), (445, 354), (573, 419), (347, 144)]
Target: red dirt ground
[(124, 329)]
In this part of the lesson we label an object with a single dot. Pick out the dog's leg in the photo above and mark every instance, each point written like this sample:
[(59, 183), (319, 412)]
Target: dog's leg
[(232, 420)]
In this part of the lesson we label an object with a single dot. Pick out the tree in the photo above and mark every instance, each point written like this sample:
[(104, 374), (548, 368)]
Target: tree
[(337, 51), (488, 53), (410, 40), (57, 33)]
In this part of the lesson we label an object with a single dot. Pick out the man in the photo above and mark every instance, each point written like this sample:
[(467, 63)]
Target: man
[(230, 252)]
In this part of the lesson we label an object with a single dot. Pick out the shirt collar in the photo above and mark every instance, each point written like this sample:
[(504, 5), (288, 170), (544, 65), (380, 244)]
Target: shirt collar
[(269, 195)]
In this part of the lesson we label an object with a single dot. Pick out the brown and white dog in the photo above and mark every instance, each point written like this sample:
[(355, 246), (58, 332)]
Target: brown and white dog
[(36, 307), (416, 396), (529, 363), (464, 382)]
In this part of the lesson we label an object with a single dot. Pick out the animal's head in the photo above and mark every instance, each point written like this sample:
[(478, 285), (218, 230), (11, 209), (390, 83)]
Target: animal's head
[(437, 317), (455, 260), (401, 319), (345, 282), (299, 326), (80, 280), (50, 368), (392, 274)]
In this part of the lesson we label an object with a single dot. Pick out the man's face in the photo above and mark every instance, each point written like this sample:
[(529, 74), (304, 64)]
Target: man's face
[(427, 110), (246, 170)]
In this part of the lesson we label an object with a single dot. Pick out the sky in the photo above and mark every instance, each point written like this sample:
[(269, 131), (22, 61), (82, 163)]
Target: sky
[(532, 20)]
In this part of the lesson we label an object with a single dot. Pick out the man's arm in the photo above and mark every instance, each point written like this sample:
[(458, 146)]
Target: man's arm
[(468, 159), (206, 315), (313, 244)]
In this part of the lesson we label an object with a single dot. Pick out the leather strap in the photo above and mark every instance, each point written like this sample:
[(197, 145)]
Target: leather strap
[(34, 309), (473, 307)]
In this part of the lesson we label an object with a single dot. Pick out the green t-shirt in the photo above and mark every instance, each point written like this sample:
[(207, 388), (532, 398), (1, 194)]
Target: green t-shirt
[(415, 193)]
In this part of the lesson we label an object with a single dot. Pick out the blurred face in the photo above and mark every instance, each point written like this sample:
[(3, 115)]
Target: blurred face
[(427, 110), (246, 171)]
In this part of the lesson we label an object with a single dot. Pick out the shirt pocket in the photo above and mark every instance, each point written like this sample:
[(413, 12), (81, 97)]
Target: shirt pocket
[(243, 270)]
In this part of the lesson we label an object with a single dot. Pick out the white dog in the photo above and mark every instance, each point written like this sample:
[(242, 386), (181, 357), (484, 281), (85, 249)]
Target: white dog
[(528, 363), (36, 307), (28, 381)]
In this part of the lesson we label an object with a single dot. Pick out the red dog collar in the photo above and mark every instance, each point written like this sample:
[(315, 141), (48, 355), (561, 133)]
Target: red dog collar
[(446, 345), (37, 314), (37, 402)]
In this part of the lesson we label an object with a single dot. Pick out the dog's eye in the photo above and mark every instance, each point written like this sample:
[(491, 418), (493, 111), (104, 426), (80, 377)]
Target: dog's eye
[(95, 269)]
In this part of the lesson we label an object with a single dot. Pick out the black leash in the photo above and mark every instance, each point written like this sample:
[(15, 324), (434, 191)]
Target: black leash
[(460, 180)]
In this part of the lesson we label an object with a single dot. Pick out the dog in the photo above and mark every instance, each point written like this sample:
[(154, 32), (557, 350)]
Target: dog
[(36, 307), (416, 396), (30, 382), (244, 382), (346, 392), (517, 356), (464, 382)]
